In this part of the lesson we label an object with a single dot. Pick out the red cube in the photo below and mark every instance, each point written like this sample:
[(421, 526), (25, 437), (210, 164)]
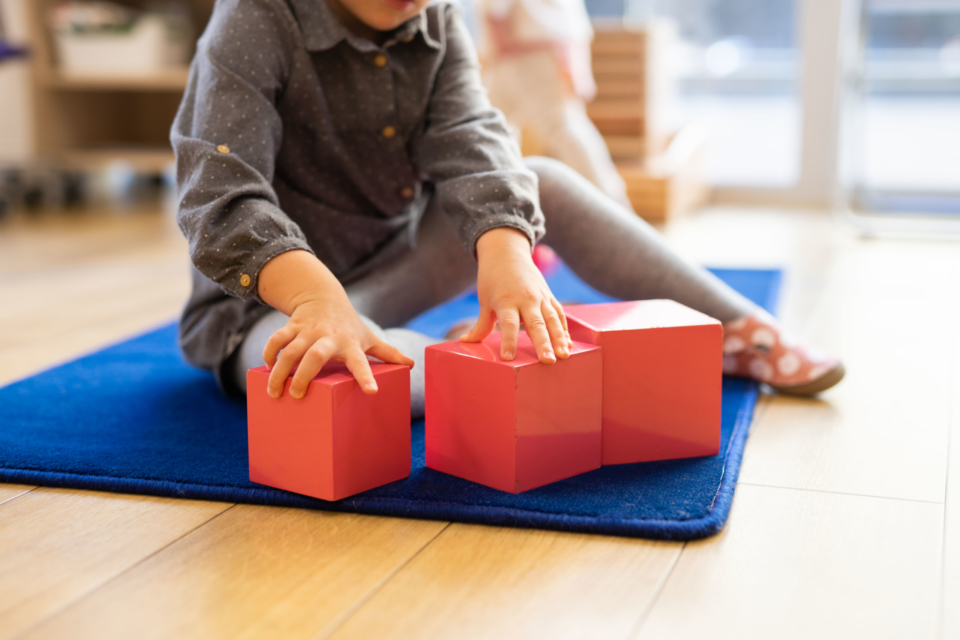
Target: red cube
[(334, 442), (512, 425), (662, 378)]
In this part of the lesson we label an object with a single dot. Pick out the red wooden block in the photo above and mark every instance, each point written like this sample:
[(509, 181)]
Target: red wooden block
[(334, 442), (514, 425), (662, 378)]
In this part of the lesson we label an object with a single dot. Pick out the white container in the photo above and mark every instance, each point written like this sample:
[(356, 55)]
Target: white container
[(149, 46)]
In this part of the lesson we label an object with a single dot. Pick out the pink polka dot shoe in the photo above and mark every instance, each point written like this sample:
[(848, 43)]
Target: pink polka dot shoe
[(755, 347)]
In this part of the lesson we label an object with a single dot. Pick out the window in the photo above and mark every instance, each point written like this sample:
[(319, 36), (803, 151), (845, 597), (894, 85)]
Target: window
[(907, 155), (737, 66)]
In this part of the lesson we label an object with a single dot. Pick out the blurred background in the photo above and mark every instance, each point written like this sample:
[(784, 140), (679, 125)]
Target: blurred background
[(846, 105)]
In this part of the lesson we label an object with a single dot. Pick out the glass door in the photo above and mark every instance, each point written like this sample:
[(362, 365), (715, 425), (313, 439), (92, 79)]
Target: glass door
[(903, 109), (737, 69)]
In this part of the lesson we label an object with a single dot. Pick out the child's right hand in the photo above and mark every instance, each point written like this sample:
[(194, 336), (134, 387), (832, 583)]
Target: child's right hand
[(323, 326)]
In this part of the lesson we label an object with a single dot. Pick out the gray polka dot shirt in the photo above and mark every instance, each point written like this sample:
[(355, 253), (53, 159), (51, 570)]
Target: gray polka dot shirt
[(296, 134)]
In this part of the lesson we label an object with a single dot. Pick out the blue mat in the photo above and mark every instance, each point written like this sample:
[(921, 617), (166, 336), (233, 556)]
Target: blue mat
[(134, 418)]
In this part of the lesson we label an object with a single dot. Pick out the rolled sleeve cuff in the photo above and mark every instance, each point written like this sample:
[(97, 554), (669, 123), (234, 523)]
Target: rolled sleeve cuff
[(513, 221), (242, 282)]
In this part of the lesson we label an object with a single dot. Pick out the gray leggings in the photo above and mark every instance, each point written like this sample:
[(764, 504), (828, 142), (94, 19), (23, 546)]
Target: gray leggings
[(608, 247)]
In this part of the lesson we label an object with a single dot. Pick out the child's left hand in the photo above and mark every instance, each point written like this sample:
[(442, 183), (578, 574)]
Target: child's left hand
[(513, 291)]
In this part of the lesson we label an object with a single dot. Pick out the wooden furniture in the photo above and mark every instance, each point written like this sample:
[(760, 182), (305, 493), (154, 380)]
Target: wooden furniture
[(662, 168), (670, 183), (633, 86), (83, 123)]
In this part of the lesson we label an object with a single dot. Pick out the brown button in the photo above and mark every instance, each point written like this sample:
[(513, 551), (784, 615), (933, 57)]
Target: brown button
[(223, 148), (389, 132), (407, 192), (245, 280), (409, 38), (380, 60)]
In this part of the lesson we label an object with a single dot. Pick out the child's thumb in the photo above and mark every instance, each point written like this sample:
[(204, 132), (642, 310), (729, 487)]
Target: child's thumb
[(482, 329), (388, 353)]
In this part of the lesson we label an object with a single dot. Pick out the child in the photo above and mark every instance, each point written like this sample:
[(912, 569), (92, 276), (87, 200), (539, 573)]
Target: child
[(536, 67), (340, 169)]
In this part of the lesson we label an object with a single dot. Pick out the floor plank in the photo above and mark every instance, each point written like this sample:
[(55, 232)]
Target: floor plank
[(61, 316), (875, 304), (807, 564), (883, 431), (57, 545), (489, 582), (84, 280), (254, 572), (10, 491), (57, 241), (949, 599), (805, 244)]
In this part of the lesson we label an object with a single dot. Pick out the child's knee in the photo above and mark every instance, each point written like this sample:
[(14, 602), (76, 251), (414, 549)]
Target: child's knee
[(548, 169)]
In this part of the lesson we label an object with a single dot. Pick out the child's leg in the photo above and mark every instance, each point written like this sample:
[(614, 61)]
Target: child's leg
[(437, 270), (617, 253)]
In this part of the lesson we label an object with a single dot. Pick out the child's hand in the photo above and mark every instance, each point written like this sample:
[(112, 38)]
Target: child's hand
[(512, 291), (323, 326)]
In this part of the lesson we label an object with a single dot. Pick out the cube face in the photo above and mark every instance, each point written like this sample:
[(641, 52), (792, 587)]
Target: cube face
[(514, 425), (334, 442), (559, 410), (289, 441), (662, 373), (371, 434), (462, 394)]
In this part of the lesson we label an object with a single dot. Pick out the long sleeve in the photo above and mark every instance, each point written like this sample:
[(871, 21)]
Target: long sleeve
[(467, 152), (226, 137)]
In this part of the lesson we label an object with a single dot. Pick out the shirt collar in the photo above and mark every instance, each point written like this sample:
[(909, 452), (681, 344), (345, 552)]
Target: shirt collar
[(323, 30)]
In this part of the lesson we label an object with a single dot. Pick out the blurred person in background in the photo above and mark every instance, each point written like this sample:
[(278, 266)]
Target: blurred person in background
[(536, 67)]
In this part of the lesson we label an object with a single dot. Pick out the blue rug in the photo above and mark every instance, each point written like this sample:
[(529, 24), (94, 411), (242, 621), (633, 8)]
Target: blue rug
[(134, 418)]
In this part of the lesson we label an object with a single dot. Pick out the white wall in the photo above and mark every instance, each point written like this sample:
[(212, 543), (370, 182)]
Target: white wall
[(16, 141)]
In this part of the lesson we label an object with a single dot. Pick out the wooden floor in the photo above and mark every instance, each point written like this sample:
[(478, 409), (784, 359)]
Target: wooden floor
[(846, 523)]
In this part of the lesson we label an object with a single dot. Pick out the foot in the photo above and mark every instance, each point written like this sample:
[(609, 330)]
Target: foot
[(755, 347)]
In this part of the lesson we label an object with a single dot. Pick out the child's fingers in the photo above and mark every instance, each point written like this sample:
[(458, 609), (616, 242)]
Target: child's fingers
[(558, 337), (536, 328), (509, 319), (313, 360), (482, 329), (288, 359), (388, 353), (359, 366), (280, 339), (563, 316)]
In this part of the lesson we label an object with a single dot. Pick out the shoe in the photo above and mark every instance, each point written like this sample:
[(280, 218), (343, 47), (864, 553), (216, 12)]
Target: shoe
[(756, 347)]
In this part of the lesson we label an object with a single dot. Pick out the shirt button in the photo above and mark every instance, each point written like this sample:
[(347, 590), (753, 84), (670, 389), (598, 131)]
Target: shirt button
[(223, 148), (245, 280), (389, 132), (407, 192), (380, 60), (409, 38)]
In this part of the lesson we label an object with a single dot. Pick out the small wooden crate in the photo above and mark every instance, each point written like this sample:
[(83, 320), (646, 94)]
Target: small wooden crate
[(669, 184), (633, 84)]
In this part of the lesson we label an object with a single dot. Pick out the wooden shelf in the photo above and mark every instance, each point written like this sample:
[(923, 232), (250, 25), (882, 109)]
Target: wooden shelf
[(169, 80), (141, 159), (85, 122)]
